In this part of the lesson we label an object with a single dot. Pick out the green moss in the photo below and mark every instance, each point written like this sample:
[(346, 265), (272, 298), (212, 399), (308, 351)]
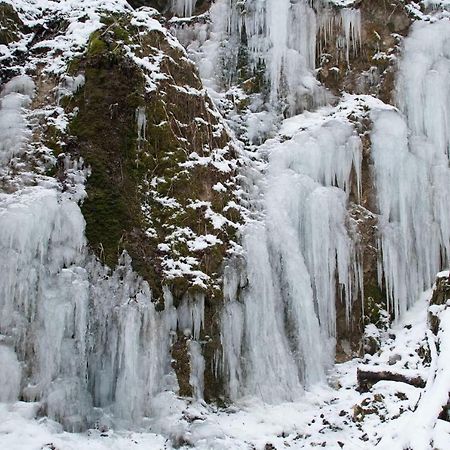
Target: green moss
[(121, 34), (374, 293), (74, 66), (53, 139), (106, 139), (96, 45)]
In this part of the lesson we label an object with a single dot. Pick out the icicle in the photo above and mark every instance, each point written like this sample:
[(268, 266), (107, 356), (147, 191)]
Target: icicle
[(346, 26), (351, 23), (183, 8), (197, 364), (141, 121), (15, 96), (191, 314)]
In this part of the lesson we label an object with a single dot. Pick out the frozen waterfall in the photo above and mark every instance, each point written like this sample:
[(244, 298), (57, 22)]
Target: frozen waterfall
[(411, 149), (89, 343), (72, 335), (283, 322), (275, 38)]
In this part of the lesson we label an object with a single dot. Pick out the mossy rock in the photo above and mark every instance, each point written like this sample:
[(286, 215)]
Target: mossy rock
[(105, 133), (375, 310), (131, 170), (10, 24)]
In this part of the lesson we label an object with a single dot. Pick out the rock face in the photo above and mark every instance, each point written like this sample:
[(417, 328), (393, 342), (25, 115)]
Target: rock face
[(439, 299), (153, 188), (10, 24), (162, 178)]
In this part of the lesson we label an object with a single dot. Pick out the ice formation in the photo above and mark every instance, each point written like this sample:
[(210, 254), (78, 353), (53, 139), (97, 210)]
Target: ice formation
[(411, 156), (16, 95), (349, 21), (276, 38), (90, 345), (96, 339), (72, 335), (293, 262)]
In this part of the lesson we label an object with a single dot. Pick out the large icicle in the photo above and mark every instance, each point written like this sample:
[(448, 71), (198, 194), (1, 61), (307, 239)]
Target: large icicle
[(183, 8)]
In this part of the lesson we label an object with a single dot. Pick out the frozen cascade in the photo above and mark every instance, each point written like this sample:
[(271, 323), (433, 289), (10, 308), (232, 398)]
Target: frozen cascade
[(281, 36), (411, 156), (293, 261), (274, 36), (79, 338), (97, 339)]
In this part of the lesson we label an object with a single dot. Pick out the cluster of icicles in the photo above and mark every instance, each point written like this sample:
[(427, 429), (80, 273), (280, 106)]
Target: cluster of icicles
[(280, 38), (86, 342)]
